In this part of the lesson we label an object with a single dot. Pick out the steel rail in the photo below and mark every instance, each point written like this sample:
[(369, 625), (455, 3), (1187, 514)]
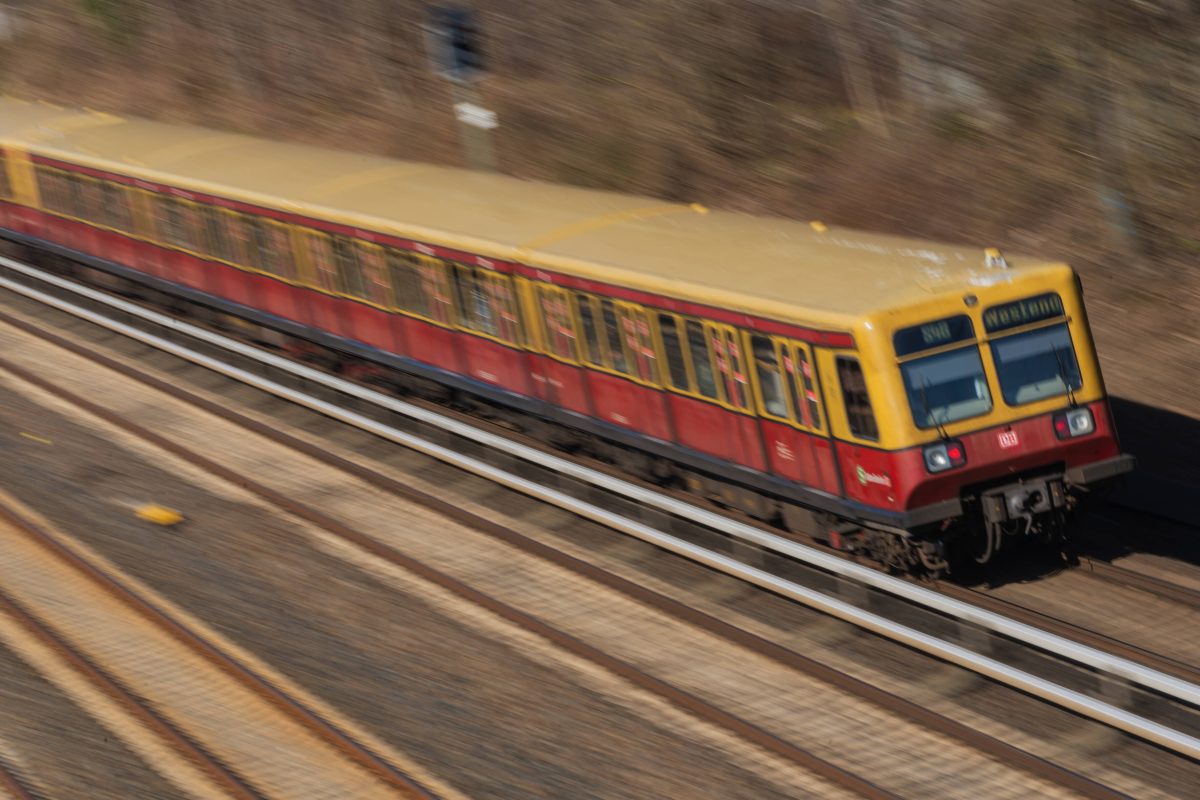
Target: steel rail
[(229, 781), (679, 697), (893, 703), (1062, 647), (1123, 576), (328, 732)]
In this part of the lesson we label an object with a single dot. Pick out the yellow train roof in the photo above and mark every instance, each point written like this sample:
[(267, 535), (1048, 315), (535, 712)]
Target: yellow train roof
[(778, 268)]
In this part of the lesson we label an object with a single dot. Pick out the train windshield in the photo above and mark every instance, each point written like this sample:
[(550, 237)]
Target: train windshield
[(946, 387), (1036, 364), (948, 384)]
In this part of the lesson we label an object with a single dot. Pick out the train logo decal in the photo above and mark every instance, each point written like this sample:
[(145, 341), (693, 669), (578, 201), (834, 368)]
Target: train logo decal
[(865, 477), (1008, 439)]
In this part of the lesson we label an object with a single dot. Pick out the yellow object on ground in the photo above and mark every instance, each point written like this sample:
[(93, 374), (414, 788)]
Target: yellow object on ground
[(159, 515)]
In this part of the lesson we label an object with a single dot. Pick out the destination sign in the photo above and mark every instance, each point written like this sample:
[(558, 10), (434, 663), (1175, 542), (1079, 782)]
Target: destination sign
[(1023, 312), (933, 334)]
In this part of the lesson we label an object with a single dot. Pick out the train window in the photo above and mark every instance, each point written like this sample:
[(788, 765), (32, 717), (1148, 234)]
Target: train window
[(91, 202), (79, 197), (668, 328), (321, 262), (500, 288), (859, 415), (243, 244), (173, 222), (5, 184), (639, 343), (49, 189), (435, 283), (728, 358), (593, 351), (616, 352), (67, 194), (1036, 364), (792, 381), (807, 384), (475, 310), (258, 248), (215, 242), (349, 275), (274, 246), (74, 195), (376, 286), (558, 325), (59, 192), (771, 382), (117, 203), (406, 283), (702, 368)]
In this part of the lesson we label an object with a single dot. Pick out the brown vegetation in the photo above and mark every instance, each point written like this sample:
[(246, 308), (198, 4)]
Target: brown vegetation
[(1069, 128)]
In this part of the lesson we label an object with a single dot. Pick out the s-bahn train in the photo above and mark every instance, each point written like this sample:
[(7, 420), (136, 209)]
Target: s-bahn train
[(912, 401)]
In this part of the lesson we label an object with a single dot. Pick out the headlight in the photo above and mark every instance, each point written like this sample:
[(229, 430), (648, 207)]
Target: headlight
[(1072, 423), (945, 455)]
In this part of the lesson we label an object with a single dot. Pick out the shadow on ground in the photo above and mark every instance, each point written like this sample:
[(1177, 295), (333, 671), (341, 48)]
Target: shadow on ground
[(1155, 510)]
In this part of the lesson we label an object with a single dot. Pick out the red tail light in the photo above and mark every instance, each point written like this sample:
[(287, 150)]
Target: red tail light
[(945, 455)]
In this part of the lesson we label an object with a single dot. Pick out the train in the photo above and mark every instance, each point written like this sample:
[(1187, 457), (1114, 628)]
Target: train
[(917, 403)]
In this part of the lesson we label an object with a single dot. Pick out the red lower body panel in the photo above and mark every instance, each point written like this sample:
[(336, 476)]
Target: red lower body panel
[(900, 481)]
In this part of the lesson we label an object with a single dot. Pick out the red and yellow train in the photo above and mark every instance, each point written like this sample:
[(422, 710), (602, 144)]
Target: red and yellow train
[(911, 400)]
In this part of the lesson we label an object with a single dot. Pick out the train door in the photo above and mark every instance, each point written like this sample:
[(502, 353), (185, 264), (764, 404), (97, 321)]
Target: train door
[(373, 319), (320, 299), (789, 404), (147, 256), (558, 376), (866, 468)]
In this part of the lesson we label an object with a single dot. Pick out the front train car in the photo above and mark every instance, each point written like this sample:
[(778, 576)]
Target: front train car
[(993, 419)]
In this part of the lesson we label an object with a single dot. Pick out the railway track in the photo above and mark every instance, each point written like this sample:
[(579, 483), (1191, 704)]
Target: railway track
[(372, 545), (1150, 584), (245, 734), (944, 726)]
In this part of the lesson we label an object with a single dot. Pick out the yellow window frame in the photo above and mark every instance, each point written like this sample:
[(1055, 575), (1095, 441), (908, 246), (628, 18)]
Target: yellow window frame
[(559, 295), (525, 296), (142, 207), (684, 353), (781, 349), (727, 335), (600, 359), (187, 223), (434, 276), (230, 221), (323, 279), (501, 293), (125, 193), (632, 314), (6, 183), (473, 282), (283, 244), (378, 269), (817, 423)]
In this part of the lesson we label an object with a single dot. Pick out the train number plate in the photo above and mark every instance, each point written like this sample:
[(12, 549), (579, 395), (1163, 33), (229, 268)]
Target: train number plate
[(1008, 439)]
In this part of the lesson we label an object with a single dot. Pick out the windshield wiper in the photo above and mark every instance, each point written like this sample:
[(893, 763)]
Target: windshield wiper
[(1062, 376), (928, 413)]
